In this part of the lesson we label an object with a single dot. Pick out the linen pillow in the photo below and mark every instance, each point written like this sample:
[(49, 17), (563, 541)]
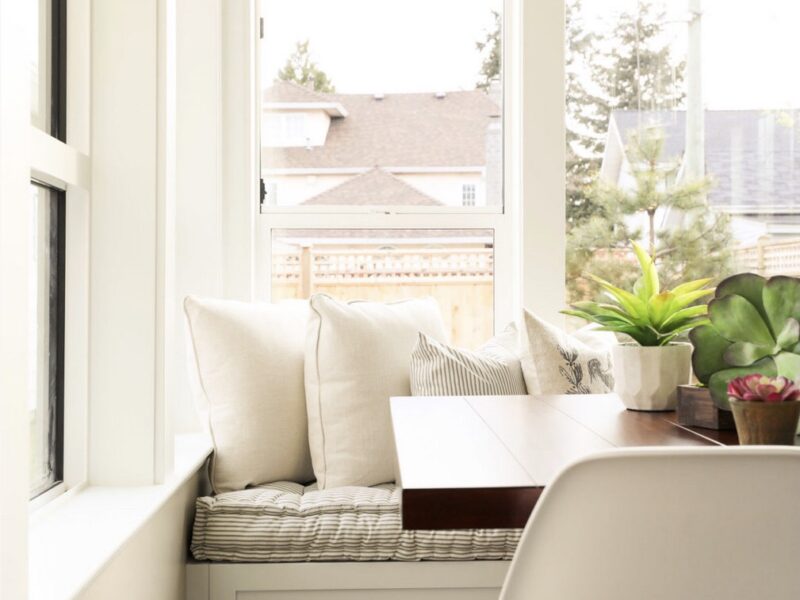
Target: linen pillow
[(357, 357), (491, 370), (555, 362), (249, 362)]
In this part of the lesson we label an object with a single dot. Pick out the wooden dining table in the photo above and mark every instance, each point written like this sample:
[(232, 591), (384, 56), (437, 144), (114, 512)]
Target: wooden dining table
[(483, 461)]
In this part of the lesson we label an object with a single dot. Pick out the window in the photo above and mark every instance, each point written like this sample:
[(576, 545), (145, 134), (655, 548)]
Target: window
[(47, 254), (468, 194), (665, 105), (48, 68), (46, 325), (390, 133)]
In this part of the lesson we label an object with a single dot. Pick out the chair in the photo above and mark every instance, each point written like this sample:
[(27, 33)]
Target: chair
[(652, 524)]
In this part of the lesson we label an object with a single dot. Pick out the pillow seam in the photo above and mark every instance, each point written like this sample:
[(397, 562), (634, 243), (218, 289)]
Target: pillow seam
[(319, 397)]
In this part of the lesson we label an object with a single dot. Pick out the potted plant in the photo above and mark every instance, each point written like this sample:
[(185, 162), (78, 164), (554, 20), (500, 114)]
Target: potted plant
[(648, 370), (766, 409), (753, 327)]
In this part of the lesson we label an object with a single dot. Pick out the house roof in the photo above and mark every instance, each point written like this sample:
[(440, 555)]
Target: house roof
[(289, 91), (376, 187), (399, 130), (753, 156)]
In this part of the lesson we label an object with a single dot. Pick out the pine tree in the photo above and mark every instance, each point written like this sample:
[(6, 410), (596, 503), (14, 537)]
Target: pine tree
[(491, 49), (628, 69), (301, 69), (695, 245)]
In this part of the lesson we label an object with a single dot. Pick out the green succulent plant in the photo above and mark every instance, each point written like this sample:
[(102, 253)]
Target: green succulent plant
[(754, 327), (651, 316)]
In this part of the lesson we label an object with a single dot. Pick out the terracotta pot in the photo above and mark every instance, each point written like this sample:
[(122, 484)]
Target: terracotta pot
[(773, 423), (647, 377)]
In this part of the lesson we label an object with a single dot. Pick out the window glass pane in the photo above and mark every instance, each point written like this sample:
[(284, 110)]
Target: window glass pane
[(382, 103), (48, 69), (41, 53), (682, 136), (45, 323), (456, 267)]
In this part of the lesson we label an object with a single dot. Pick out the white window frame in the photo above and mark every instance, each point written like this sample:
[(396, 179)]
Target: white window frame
[(499, 219), (66, 166), (530, 238)]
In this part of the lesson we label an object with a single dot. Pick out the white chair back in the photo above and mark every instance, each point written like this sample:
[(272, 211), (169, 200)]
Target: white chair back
[(671, 524)]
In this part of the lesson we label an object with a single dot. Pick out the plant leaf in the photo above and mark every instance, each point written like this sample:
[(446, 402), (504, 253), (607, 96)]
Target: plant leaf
[(679, 317), (788, 364), (790, 334), (687, 298), (631, 303), (709, 349), (743, 354), (739, 321), (650, 284), (781, 296), (748, 285), (658, 308), (718, 383), (691, 286)]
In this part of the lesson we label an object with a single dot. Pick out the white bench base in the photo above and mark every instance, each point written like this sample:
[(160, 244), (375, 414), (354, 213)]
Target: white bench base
[(445, 580)]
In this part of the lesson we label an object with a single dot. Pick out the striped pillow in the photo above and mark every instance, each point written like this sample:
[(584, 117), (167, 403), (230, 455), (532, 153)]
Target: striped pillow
[(492, 370)]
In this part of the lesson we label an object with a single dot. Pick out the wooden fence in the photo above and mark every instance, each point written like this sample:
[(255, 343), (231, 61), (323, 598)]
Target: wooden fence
[(770, 257), (460, 279)]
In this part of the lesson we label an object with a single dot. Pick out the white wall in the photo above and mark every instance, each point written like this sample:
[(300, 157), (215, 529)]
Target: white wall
[(14, 264), (199, 216)]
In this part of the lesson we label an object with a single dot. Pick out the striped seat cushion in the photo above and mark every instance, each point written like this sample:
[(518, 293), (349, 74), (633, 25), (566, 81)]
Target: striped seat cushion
[(288, 522), (492, 370)]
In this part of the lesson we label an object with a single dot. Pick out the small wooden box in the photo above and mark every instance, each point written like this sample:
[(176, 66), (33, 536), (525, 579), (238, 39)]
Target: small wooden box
[(697, 409)]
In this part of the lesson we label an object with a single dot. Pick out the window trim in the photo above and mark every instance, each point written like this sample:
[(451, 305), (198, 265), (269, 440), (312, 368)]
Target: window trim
[(64, 165)]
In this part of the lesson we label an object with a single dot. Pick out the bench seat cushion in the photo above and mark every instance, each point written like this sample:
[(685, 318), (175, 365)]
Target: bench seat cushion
[(289, 522)]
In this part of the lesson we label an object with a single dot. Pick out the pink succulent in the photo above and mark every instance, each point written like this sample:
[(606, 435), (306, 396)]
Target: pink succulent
[(761, 388)]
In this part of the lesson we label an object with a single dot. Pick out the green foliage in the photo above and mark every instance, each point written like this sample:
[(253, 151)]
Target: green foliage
[(754, 327), (695, 246), (301, 69), (492, 51), (630, 68), (648, 314)]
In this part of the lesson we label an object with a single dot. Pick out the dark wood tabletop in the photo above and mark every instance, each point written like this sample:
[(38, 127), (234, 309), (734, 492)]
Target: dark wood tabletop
[(483, 461)]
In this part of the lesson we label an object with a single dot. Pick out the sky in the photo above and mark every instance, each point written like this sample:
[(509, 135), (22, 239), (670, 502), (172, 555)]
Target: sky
[(750, 49)]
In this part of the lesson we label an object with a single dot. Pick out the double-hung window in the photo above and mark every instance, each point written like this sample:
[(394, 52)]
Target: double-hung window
[(395, 187), (47, 254)]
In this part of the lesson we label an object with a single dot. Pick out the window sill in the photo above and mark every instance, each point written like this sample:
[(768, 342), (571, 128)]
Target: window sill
[(74, 536)]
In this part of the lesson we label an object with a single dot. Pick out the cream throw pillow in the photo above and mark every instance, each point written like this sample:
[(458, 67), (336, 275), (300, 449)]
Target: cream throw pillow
[(491, 370), (249, 362), (357, 357), (555, 362)]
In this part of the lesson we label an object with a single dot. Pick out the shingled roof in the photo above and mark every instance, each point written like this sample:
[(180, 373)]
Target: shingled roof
[(375, 187), (753, 156), (399, 130)]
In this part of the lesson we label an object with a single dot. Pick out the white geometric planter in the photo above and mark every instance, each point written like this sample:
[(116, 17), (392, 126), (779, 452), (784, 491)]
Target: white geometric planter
[(647, 377)]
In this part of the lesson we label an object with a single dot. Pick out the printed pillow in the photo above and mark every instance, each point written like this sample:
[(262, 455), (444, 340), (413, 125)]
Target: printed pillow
[(555, 362), (249, 359), (357, 357), (491, 370)]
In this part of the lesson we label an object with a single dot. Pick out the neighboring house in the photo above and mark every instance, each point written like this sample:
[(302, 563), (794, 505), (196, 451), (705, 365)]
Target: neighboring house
[(753, 157), (431, 149)]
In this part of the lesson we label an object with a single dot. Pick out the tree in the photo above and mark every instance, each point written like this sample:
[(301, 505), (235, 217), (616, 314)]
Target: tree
[(695, 245), (637, 71), (301, 69), (491, 49), (585, 124), (631, 68)]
